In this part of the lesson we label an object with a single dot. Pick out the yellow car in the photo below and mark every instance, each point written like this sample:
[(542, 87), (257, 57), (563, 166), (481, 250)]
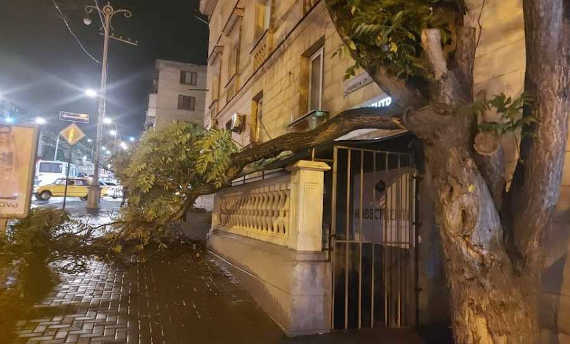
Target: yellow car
[(76, 187)]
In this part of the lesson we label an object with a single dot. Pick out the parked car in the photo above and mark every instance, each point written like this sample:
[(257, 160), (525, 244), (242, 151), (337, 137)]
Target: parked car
[(76, 187), (111, 189)]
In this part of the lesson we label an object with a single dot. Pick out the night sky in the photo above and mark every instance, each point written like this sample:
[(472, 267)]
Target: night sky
[(43, 69)]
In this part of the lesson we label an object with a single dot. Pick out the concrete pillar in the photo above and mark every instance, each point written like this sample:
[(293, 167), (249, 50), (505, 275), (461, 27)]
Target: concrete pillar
[(307, 189)]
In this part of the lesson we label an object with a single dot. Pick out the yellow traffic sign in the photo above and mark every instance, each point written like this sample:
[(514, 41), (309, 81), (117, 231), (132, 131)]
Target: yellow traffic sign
[(72, 134)]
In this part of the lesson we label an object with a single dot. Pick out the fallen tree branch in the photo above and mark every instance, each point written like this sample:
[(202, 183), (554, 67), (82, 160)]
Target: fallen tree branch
[(343, 123)]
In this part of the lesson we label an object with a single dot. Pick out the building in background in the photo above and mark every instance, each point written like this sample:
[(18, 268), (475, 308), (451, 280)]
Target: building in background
[(179, 93)]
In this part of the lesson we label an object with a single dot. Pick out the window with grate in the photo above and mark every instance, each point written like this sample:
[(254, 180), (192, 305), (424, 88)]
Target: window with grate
[(186, 103), (188, 78)]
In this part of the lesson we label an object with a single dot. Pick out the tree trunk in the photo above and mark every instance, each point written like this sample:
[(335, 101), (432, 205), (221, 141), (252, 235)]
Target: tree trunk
[(491, 302)]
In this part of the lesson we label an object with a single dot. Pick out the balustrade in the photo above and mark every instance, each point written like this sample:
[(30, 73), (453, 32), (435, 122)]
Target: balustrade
[(285, 210)]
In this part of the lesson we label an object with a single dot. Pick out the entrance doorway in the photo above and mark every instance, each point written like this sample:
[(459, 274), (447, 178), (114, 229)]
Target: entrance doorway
[(373, 239)]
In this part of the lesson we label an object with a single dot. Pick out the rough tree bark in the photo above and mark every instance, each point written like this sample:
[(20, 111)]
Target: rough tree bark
[(491, 246)]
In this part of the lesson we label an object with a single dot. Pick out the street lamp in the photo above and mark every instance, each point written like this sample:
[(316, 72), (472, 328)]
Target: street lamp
[(132, 139), (8, 119), (107, 120), (91, 93), (113, 132), (40, 121), (107, 13)]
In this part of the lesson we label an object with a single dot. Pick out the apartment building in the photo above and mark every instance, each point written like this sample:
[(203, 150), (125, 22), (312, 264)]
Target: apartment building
[(307, 238), (273, 68), (179, 93)]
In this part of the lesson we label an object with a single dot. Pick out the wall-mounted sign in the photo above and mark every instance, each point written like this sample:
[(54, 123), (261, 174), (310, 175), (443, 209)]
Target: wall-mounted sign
[(74, 117), (17, 160), (356, 83)]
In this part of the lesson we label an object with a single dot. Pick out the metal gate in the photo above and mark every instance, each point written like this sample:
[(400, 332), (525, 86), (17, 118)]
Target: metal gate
[(373, 239)]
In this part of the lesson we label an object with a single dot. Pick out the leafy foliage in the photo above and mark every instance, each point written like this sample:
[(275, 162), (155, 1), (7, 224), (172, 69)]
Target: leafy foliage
[(162, 172), (47, 235), (387, 33), (512, 116)]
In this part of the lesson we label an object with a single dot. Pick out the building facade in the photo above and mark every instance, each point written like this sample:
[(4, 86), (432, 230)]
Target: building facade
[(276, 67), (179, 93)]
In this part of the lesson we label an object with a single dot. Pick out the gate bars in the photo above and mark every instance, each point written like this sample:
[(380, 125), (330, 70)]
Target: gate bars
[(378, 228)]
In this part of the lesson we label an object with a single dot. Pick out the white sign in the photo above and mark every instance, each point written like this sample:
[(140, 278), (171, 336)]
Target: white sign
[(386, 217), (356, 83), (17, 160)]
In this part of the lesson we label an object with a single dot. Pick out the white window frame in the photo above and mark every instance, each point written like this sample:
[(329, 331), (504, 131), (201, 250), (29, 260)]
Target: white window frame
[(318, 53)]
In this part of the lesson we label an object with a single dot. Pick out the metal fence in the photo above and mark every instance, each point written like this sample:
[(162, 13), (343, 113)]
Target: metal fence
[(373, 239)]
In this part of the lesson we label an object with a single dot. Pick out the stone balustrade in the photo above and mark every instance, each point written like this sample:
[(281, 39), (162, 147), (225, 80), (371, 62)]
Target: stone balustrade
[(285, 210), (257, 210)]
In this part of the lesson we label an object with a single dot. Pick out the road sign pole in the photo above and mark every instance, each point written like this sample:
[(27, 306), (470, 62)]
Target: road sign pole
[(67, 176)]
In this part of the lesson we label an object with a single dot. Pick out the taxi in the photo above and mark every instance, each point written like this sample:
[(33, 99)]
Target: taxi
[(76, 187)]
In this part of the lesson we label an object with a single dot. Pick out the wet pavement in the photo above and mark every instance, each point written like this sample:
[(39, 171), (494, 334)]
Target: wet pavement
[(183, 295)]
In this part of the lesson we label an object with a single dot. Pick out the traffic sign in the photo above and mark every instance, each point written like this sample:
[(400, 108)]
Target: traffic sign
[(74, 117), (72, 134)]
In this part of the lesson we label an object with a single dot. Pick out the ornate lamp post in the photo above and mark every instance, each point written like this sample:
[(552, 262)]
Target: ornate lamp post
[(107, 13)]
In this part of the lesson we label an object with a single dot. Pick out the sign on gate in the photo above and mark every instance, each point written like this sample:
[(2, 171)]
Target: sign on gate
[(17, 159), (386, 215)]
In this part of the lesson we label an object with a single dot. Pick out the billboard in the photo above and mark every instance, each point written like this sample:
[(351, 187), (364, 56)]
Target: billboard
[(17, 160)]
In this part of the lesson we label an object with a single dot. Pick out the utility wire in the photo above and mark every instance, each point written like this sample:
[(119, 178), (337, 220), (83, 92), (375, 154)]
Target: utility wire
[(73, 34)]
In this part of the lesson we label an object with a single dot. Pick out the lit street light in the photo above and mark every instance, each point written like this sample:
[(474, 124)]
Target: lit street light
[(124, 146), (40, 121), (107, 120), (9, 119), (132, 139), (113, 132), (91, 93)]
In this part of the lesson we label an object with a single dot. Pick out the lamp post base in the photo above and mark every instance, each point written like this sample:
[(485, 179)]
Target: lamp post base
[(93, 197)]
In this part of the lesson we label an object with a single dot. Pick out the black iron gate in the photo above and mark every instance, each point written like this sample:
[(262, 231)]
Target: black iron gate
[(373, 239)]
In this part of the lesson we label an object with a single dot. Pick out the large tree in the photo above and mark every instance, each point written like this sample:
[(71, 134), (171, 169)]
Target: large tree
[(421, 53)]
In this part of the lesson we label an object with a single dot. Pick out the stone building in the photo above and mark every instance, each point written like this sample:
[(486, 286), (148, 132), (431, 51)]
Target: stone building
[(306, 235), (178, 94)]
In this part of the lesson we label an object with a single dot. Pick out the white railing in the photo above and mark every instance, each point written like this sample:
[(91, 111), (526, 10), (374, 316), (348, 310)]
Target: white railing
[(284, 210), (259, 210)]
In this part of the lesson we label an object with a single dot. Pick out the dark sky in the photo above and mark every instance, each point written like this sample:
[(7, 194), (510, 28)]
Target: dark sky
[(43, 69)]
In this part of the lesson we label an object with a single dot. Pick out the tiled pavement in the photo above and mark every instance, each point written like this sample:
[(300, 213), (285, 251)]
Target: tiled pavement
[(91, 307), (182, 300)]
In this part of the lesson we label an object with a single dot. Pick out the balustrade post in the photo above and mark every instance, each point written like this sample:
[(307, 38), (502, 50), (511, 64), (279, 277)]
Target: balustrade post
[(307, 190)]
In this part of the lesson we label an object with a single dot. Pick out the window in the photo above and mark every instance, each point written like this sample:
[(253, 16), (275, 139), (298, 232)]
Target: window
[(233, 63), (262, 17), (316, 80), (186, 103), (188, 78), (60, 182), (257, 118), (51, 167)]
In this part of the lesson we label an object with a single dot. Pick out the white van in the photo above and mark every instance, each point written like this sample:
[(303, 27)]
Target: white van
[(48, 171)]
